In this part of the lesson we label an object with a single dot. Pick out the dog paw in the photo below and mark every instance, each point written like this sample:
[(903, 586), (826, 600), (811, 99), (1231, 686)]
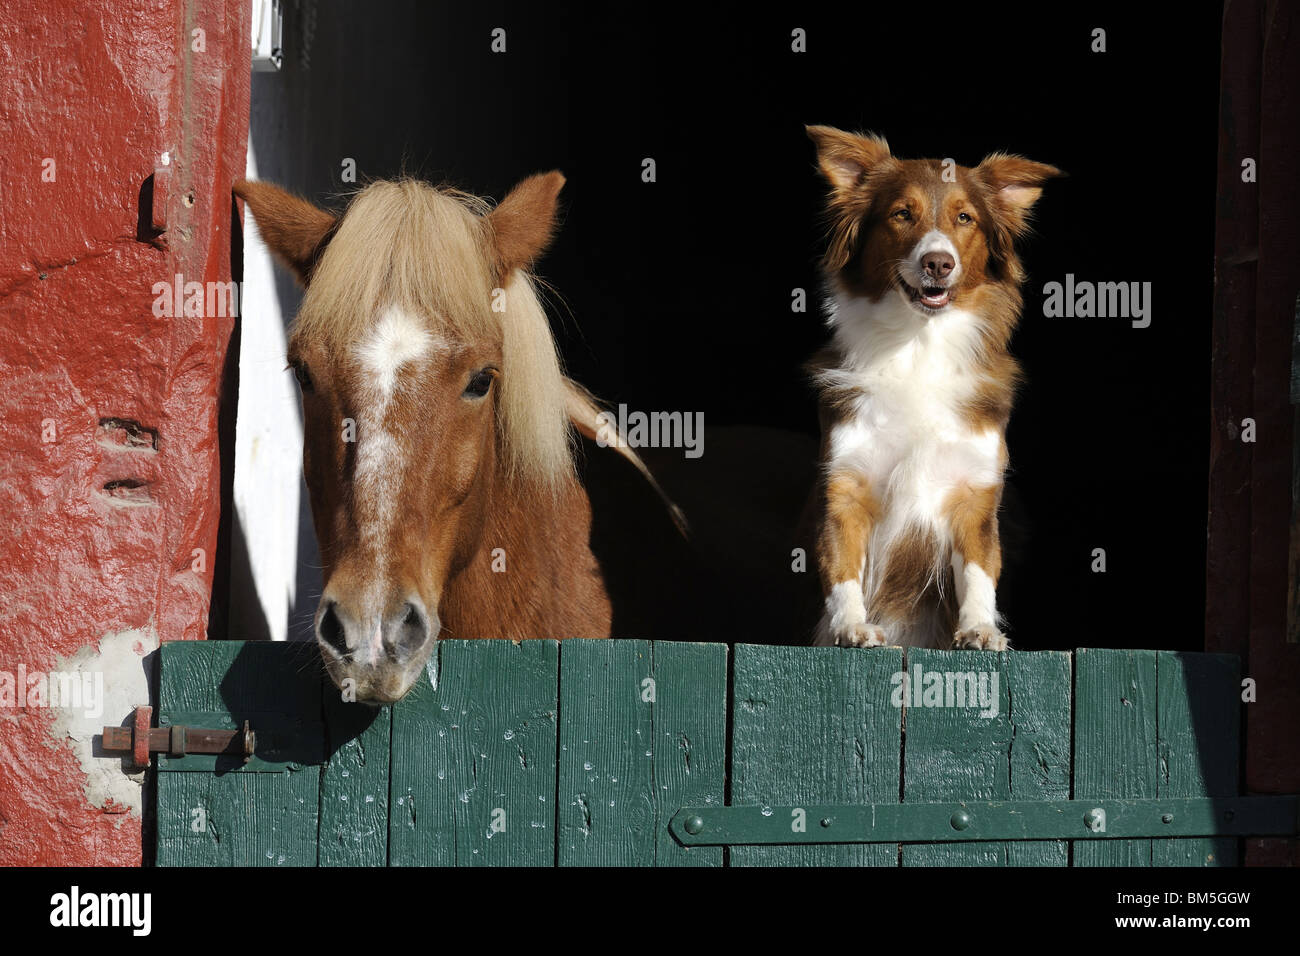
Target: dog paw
[(861, 635), (981, 637)]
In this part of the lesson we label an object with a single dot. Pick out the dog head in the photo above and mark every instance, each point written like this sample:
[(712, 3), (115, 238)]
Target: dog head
[(929, 230)]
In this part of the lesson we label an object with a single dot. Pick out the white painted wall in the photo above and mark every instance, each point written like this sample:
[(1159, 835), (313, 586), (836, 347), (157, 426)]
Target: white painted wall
[(274, 554)]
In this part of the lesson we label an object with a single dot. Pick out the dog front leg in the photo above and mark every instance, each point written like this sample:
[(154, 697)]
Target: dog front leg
[(976, 565), (850, 512)]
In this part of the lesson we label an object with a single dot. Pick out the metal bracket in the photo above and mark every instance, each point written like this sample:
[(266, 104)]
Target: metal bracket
[(176, 741), (998, 820)]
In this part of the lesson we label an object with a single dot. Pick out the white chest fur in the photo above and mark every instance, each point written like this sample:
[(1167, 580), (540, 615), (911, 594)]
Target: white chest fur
[(905, 431)]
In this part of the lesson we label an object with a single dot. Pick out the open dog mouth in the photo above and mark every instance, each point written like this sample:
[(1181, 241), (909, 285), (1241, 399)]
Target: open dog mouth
[(932, 297)]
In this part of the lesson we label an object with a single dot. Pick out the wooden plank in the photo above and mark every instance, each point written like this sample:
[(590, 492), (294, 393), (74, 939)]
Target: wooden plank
[(607, 805), (1041, 686), (688, 720), (237, 818), (473, 761), (952, 750), (984, 726), (1293, 556), (1232, 348), (814, 725), (354, 783), (1199, 736), (1271, 766), (642, 732), (1115, 741), (1295, 353)]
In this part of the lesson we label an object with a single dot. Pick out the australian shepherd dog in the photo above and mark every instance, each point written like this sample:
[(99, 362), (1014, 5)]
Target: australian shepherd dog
[(915, 390)]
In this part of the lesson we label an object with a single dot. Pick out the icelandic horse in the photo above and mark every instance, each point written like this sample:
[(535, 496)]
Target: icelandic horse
[(438, 426)]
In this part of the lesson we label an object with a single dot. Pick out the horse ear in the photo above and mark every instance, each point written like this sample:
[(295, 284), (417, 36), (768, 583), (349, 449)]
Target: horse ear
[(524, 222), (293, 229)]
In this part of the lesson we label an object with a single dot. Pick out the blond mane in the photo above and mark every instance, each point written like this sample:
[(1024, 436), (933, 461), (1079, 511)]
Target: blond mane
[(427, 251)]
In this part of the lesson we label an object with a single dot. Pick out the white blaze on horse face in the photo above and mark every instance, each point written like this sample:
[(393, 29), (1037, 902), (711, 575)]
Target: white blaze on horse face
[(393, 350), (398, 339)]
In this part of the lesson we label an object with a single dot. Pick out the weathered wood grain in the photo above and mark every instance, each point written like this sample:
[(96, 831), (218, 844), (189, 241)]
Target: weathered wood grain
[(1011, 742), (642, 733), (1199, 722), (581, 753), (607, 805), (1116, 743), (354, 783), (814, 725), (473, 762), (237, 819), (689, 722), (237, 816)]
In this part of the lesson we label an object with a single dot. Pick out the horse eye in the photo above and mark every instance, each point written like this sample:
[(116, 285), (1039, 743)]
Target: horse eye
[(963, 217), (479, 384), (303, 376)]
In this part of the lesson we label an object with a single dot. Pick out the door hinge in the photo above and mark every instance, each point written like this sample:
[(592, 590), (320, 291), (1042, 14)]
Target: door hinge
[(974, 821)]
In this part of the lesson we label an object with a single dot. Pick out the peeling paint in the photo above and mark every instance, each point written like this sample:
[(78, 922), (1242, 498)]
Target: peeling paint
[(121, 660), (116, 422)]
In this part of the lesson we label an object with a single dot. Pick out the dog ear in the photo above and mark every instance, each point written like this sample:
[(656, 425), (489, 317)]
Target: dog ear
[(523, 224), (844, 158), (295, 230), (1015, 183)]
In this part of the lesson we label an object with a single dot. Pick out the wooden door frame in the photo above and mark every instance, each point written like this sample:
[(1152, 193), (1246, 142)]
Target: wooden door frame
[(1257, 248)]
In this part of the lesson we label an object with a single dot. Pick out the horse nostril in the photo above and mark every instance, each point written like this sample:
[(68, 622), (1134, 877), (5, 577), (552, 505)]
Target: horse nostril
[(331, 631), (411, 633)]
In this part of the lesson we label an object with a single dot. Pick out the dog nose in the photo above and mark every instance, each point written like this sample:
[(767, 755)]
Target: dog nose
[(398, 636), (938, 265)]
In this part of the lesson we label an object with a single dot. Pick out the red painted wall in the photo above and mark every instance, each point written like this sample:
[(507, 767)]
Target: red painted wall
[(104, 90)]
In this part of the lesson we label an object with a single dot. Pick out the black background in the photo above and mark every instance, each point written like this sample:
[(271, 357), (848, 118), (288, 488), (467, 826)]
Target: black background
[(676, 294)]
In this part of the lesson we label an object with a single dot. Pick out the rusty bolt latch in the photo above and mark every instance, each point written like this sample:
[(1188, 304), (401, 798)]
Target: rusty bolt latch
[(176, 741)]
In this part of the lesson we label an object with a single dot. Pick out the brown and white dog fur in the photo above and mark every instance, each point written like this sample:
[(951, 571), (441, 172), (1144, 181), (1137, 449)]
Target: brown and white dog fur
[(915, 389)]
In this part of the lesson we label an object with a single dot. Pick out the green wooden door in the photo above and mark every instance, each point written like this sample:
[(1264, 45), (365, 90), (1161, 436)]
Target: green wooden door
[(582, 752)]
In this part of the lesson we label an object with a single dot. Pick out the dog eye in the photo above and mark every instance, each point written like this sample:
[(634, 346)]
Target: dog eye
[(902, 215), (480, 383), (303, 376), (963, 217)]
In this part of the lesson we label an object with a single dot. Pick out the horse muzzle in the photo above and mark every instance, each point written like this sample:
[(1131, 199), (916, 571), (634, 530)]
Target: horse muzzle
[(375, 657)]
